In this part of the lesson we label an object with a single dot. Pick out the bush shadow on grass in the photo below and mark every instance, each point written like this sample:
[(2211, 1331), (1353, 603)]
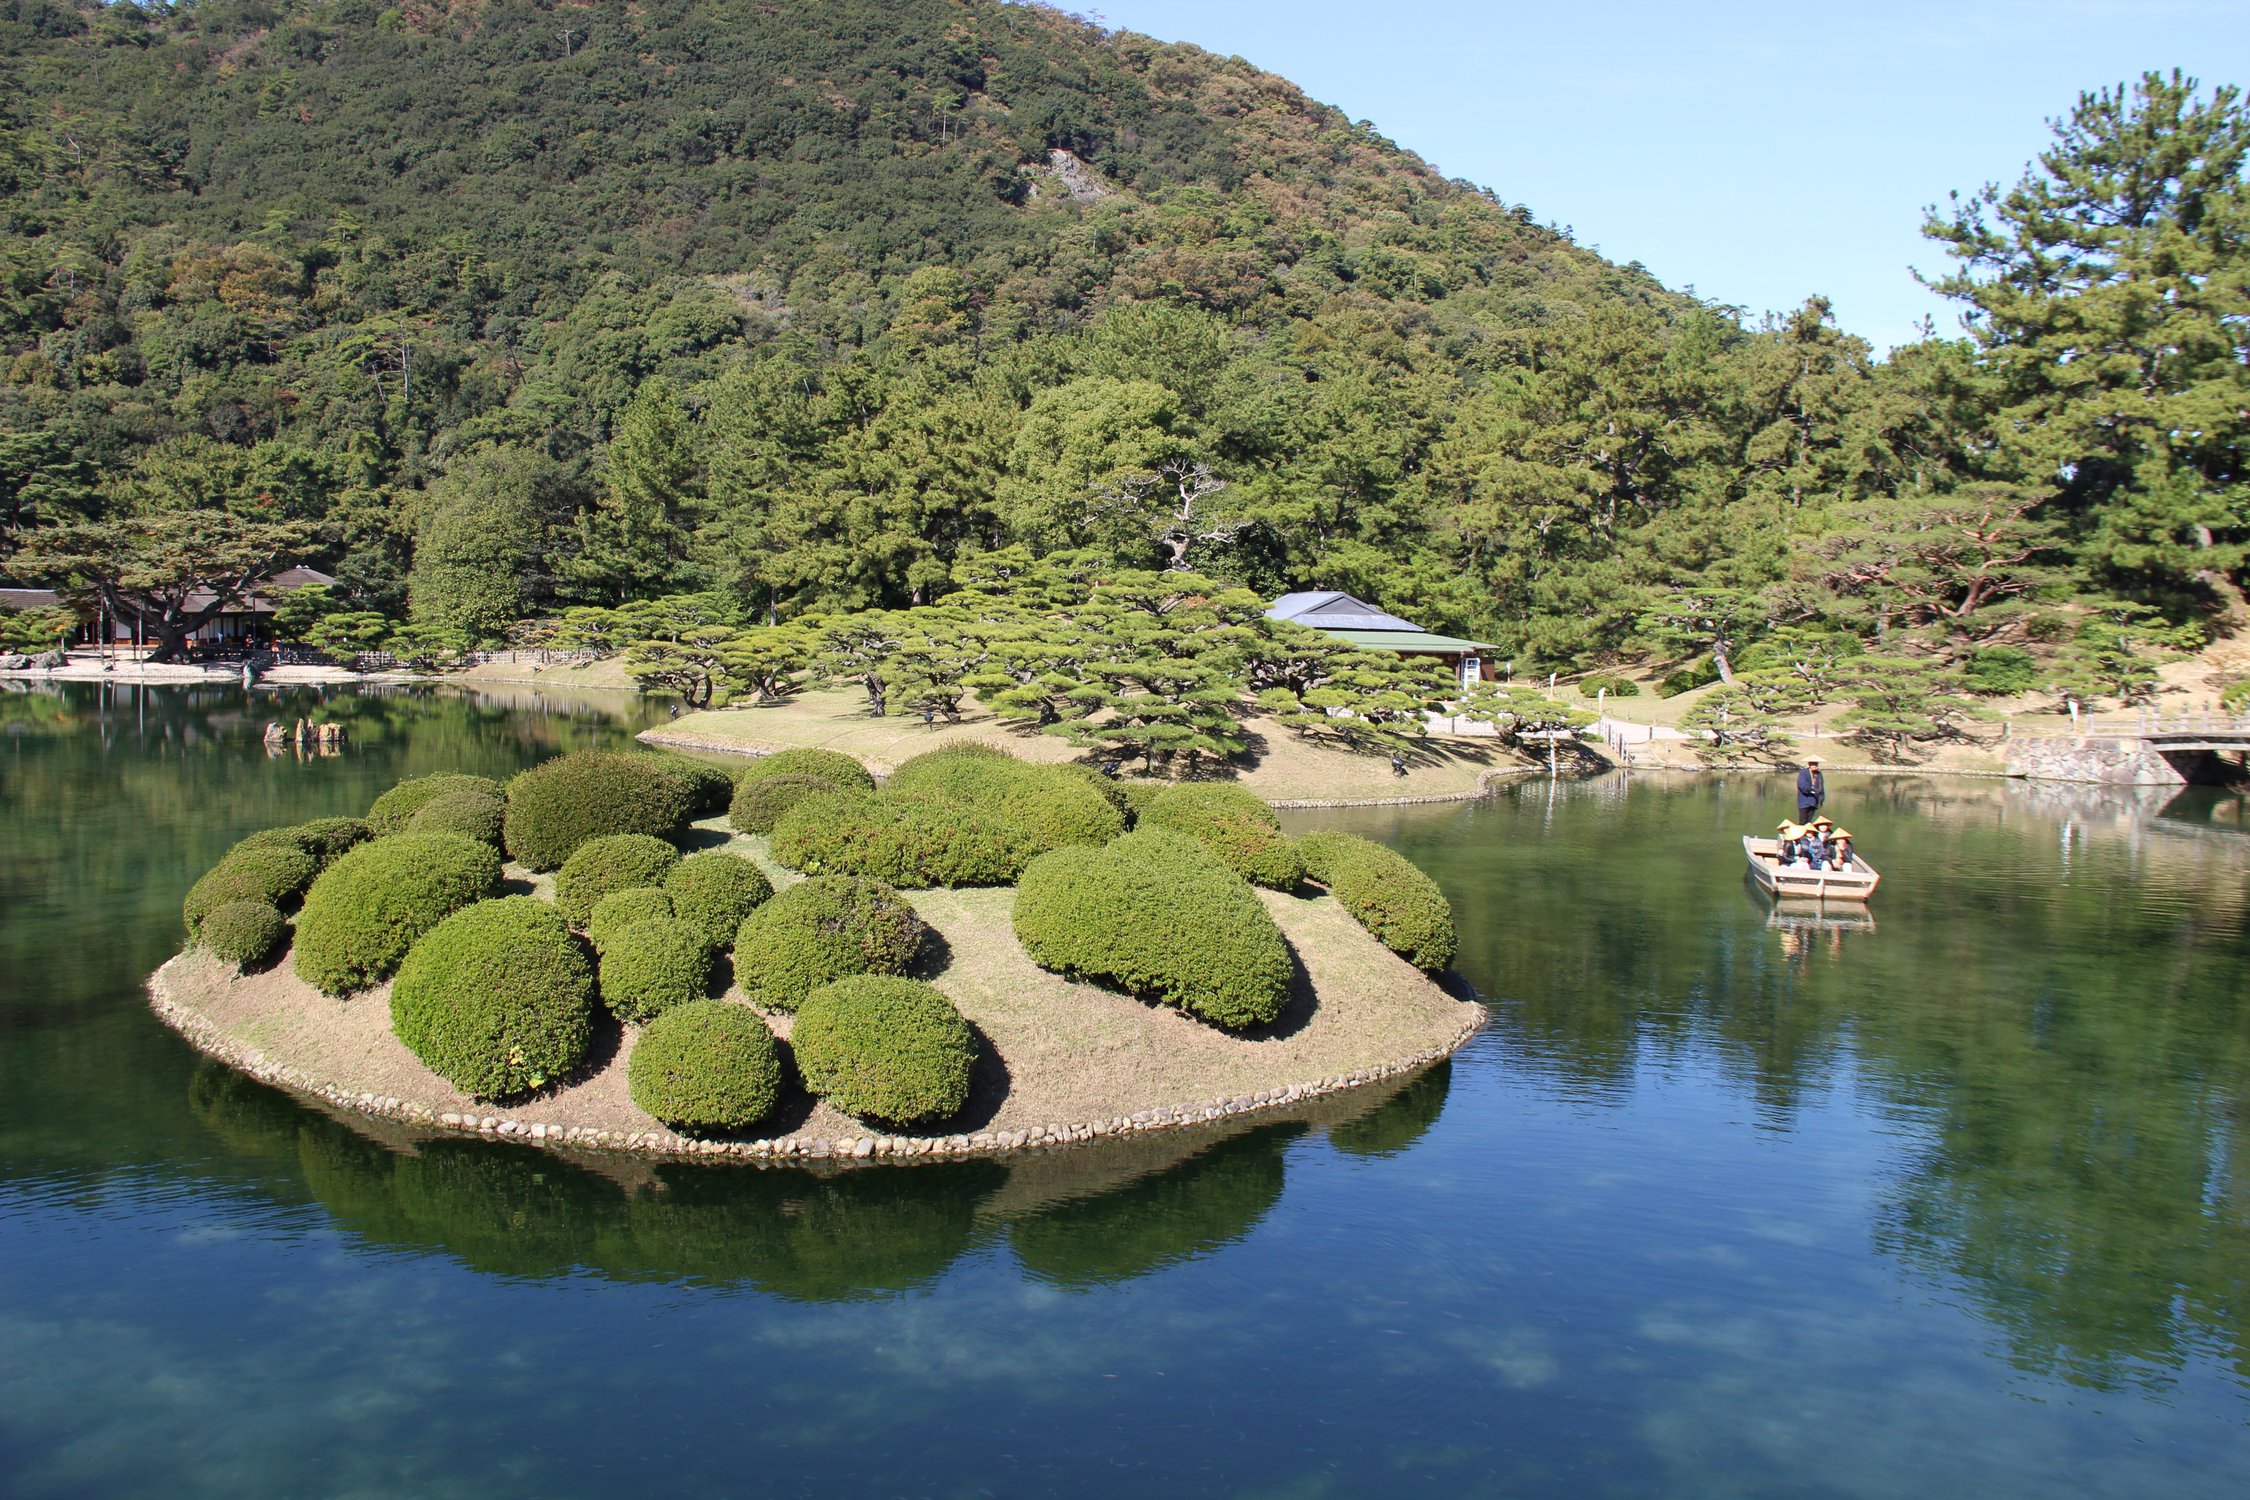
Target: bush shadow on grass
[(696, 839), (933, 958), (1296, 1012)]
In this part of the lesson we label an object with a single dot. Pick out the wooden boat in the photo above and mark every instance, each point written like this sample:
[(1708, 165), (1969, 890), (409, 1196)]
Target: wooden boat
[(1855, 882)]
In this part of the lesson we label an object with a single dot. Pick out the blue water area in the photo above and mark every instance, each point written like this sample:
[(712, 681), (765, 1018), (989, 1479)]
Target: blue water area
[(1946, 1197)]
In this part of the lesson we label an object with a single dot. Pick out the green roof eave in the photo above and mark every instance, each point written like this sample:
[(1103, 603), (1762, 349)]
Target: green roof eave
[(1410, 640)]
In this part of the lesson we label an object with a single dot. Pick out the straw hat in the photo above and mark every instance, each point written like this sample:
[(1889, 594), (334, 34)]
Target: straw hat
[(1822, 823), (1812, 760), (1840, 833), (1791, 830)]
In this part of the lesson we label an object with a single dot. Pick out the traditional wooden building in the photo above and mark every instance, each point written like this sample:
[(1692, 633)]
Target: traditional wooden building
[(248, 622), (1363, 624)]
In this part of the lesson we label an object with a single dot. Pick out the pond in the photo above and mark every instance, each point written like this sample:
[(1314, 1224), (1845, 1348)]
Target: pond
[(1726, 1200)]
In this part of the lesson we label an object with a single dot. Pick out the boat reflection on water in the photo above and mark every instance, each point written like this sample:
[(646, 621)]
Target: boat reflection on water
[(1806, 928)]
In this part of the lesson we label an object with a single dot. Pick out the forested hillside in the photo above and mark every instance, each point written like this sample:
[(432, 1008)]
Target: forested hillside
[(498, 309)]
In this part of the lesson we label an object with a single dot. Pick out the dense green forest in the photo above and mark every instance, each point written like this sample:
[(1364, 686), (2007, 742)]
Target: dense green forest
[(503, 309)]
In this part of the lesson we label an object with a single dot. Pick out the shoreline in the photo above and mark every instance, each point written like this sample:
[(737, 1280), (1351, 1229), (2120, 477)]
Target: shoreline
[(1485, 779), (138, 673), (209, 1038)]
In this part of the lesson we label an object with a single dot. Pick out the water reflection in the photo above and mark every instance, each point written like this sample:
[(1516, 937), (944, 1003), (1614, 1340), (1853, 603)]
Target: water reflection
[(2048, 989), (1091, 1217)]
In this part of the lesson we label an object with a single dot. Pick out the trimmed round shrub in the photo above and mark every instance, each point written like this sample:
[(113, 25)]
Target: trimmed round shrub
[(367, 909), (322, 838), (1392, 899), (1048, 803), (709, 788), (961, 770), (275, 873), (713, 891), (901, 837), (2002, 672), (885, 1049), (706, 1067), (614, 862), (621, 909), (831, 766), (1598, 683), (1111, 789), (329, 839), (243, 932), (1160, 915), (760, 801), (559, 804), (474, 815), (396, 808), (497, 999), (823, 929), (649, 967), (1237, 824)]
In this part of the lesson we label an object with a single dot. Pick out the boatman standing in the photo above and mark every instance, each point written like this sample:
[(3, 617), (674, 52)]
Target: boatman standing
[(1811, 790)]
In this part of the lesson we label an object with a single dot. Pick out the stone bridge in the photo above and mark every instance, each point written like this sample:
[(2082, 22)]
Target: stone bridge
[(2141, 750)]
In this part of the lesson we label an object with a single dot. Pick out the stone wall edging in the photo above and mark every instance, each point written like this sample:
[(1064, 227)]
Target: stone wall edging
[(214, 1042)]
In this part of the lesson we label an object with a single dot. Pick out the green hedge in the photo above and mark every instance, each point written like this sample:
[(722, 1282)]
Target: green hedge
[(558, 805), (275, 873), (367, 909), (650, 966), (613, 862), (823, 929), (1160, 915), (709, 788), (497, 999), (396, 808), (901, 837), (472, 814), (621, 909), (1138, 795), (832, 766), (713, 891), (1239, 825), (706, 1067), (1608, 682), (1048, 803), (887, 1049), (760, 801), (1392, 899), (243, 932)]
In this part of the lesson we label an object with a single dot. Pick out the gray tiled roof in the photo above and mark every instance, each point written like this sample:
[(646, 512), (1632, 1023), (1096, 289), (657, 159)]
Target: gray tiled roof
[(1327, 609)]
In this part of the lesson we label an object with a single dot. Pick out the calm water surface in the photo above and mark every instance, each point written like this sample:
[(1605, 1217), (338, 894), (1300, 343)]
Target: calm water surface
[(1726, 1201)]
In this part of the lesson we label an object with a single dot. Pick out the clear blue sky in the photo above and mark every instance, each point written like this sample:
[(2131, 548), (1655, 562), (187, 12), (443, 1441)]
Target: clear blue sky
[(1758, 152)]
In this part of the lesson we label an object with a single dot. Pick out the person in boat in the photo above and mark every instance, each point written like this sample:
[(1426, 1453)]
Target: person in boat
[(1812, 790), (1840, 847), (1785, 854), (1812, 846)]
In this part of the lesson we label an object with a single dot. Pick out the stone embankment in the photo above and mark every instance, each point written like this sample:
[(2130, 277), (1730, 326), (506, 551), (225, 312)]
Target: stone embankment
[(2111, 760), (218, 1043)]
